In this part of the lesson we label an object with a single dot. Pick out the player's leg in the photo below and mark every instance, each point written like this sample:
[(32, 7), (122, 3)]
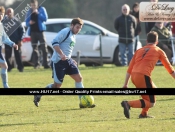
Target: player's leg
[(79, 84), (140, 81), (51, 85), (58, 75), (147, 102), (4, 75), (75, 74)]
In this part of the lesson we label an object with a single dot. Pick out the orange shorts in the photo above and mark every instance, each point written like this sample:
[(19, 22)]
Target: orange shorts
[(142, 81)]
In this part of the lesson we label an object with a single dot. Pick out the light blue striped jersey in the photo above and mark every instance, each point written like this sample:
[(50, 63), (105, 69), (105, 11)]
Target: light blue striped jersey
[(4, 39), (66, 45)]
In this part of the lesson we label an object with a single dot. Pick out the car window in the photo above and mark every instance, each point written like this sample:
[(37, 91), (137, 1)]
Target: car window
[(89, 30), (56, 27)]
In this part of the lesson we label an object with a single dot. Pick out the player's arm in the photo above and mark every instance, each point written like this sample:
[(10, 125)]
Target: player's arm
[(128, 74), (166, 63), (56, 44), (60, 52), (6, 40), (127, 78)]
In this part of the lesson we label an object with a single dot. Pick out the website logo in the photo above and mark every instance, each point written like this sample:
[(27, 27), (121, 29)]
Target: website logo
[(157, 12)]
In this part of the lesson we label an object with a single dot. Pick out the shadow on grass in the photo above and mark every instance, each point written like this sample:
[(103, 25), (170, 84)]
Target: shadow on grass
[(1, 114), (166, 99), (70, 109), (5, 125), (93, 120), (169, 118), (73, 109), (96, 67)]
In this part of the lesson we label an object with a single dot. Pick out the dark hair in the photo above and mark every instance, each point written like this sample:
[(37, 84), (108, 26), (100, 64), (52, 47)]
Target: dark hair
[(77, 21), (152, 37), (34, 1), (135, 5), (2, 9)]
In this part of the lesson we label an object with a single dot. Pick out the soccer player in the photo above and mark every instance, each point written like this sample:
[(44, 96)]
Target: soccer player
[(4, 39), (62, 63), (140, 68)]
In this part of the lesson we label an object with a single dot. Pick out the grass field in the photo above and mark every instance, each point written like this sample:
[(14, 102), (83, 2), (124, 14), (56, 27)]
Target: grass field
[(62, 114)]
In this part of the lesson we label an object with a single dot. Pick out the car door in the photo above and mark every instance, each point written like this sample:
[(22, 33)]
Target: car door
[(85, 41)]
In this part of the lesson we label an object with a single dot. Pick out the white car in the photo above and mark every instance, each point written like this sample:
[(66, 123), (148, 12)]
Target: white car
[(87, 43)]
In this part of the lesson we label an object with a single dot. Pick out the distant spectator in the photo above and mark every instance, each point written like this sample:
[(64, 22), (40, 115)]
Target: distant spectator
[(35, 20), (15, 33), (164, 38), (135, 12), (4, 39), (125, 24)]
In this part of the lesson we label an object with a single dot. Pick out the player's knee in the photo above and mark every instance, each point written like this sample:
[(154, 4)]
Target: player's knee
[(80, 79), (152, 105)]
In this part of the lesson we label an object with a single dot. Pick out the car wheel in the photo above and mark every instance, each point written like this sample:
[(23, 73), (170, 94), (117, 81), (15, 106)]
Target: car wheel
[(117, 58), (49, 55)]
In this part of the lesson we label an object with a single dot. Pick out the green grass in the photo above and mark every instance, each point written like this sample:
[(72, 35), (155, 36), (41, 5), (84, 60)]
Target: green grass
[(62, 114)]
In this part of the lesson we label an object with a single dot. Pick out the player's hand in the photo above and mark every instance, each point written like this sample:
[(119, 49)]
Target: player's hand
[(63, 57), (15, 46), (125, 86)]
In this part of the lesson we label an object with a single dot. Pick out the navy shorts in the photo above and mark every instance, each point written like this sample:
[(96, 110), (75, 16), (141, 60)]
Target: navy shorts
[(62, 68)]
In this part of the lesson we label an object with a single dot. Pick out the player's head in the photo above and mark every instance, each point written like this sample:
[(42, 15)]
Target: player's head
[(76, 25), (2, 11), (34, 4), (152, 37), (125, 9), (10, 12)]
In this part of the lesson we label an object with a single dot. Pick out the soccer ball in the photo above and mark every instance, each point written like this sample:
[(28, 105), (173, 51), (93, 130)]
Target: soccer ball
[(87, 100)]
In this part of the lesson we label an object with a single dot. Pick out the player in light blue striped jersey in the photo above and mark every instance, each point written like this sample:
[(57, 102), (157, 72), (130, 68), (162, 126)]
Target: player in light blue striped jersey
[(4, 39), (62, 63)]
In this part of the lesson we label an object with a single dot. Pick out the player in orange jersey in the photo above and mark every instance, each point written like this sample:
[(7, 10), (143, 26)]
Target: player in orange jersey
[(140, 68)]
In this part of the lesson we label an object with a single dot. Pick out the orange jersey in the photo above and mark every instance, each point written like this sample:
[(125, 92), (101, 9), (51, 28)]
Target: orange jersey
[(146, 58)]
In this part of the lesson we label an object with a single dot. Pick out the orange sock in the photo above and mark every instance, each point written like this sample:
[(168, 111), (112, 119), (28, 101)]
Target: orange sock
[(142, 103), (145, 111), (135, 103)]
